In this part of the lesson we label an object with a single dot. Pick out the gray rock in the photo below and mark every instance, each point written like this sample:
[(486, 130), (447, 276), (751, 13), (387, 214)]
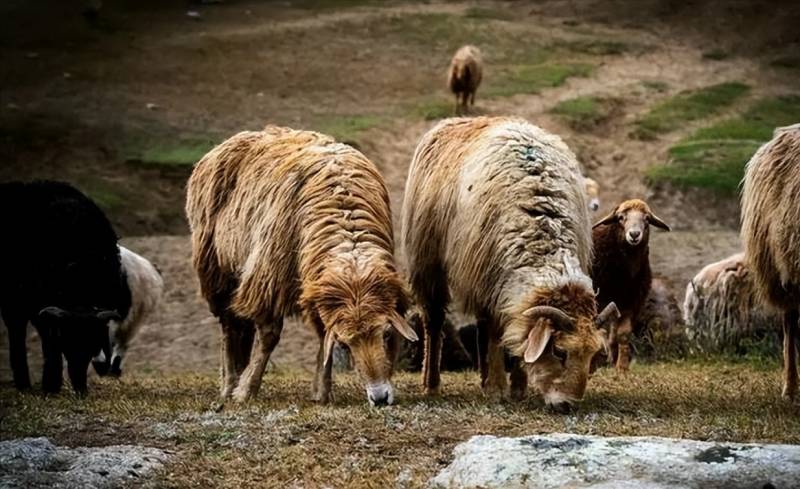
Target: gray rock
[(32, 463), (563, 460)]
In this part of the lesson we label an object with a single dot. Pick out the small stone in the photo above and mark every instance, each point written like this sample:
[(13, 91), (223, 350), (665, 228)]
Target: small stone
[(152, 106), (193, 14), (67, 75)]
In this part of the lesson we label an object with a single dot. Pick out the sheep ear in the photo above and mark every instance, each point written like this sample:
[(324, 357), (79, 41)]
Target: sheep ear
[(537, 341), (657, 222), (606, 220), (327, 351), (405, 329)]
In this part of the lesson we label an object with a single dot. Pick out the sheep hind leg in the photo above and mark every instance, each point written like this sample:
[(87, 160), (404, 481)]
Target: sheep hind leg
[(266, 339), (790, 337), (17, 349)]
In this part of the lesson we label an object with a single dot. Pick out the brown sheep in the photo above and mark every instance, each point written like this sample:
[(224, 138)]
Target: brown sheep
[(464, 76), (495, 213), (287, 221), (721, 307), (621, 268), (770, 230)]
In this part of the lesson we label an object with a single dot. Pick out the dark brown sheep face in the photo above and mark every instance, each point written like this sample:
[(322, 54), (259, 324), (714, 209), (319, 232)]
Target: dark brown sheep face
[(633, 219), (559, 352)]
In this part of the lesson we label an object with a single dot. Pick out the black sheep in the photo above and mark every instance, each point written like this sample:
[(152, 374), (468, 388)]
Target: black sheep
[(60, 270), (621, 269)]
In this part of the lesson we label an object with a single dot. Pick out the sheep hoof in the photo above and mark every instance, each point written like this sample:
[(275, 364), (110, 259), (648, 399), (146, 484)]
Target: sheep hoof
[(432, 391), (218, 406), (322, 398), (789, 395), (494, 391)]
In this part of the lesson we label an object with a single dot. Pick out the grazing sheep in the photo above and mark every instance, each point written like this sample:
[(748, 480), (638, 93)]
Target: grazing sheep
[(770, 230), (721, 308), (147, 288), (592, 193), (464, 76), (495, 213), (286, 221), (621, 268), (61, 271)]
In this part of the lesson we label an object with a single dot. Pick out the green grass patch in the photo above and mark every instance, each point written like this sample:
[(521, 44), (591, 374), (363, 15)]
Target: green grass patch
[(716, 55), (433, 109), (714, 157), (585, 113), (489, 13), (103, 193), (656, 86), (688, 106), (534, 78), (177, 152), (596, 47), (347, 127)]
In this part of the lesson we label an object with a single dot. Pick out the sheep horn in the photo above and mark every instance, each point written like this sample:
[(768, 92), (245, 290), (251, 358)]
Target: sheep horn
[(108, 315), (657, 222), (53, 311), (608, 314), (559, 318)]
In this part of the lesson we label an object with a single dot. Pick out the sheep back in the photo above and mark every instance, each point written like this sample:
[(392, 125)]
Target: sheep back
[(771, 218), (267, 209), (500, 203)]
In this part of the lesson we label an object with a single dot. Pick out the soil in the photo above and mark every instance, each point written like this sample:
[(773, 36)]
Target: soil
[(76, 93)]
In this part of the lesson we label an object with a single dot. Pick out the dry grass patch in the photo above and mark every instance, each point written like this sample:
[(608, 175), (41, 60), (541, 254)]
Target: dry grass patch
[(282, 439)]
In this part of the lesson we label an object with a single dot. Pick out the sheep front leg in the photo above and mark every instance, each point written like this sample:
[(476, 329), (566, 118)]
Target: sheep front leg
[(52, 370), (18, 354), (434, 318), (790, 334), (321, 391), (227, 354), (623, 339), (519, 380), (268, 333), (496, 383)]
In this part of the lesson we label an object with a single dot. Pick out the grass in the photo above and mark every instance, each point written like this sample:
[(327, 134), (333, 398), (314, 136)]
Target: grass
[(596, 47), (489, 13), (534, 78), (585, 113), (105, 194), (282, 440), (433, 109), (716, 55), (168, 152), (714, 157), (688, 106), (656, 86), (348, 128)]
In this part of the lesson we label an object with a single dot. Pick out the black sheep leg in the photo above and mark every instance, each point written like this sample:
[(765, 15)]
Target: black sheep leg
[(52, 376), (18, 354)]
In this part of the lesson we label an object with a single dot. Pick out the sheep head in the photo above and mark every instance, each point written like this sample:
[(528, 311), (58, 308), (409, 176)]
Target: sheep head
[(557, 338), (364, 311), (633, 219)]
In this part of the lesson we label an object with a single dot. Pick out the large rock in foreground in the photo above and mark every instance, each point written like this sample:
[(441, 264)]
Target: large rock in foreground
[(572, 461), (33, 463)]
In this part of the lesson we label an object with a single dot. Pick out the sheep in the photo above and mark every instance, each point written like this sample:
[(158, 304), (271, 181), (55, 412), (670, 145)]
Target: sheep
[(621, 268), (659, 329), (721, 308), (495, 214), (770, 226), (147, 288), (592, 193), (286, 221), (61, 271), (464, 76)]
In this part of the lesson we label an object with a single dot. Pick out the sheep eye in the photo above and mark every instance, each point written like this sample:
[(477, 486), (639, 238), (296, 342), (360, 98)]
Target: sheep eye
[(560, 354)]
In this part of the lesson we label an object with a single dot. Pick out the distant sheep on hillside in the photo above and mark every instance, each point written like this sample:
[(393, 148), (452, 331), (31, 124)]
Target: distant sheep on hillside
[(770, 230), (464, 76)]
